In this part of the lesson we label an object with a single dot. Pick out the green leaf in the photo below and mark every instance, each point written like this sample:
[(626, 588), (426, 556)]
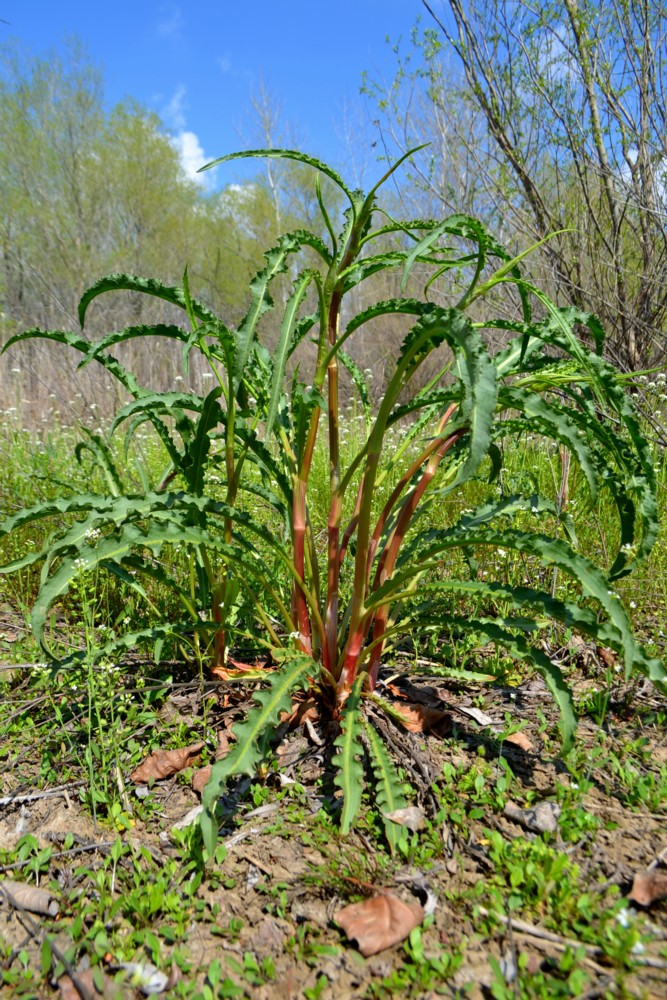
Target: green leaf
[(276, 263), (357, 377), (253, 735), (79, 343), (101, 453), (350, 773), (285, 341), (283, 154), (389, 793), (131, 333), (200, 445), (149, 286)]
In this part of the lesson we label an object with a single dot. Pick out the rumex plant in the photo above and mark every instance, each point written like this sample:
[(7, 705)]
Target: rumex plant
[(331, 613)]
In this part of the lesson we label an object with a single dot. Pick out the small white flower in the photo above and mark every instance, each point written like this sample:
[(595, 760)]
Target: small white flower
[(623, 917), (179, 378), (632, 604), (207, 375), (16, 371)]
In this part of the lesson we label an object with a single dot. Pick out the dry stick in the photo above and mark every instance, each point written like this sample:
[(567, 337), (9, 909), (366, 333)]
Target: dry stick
[(102, 847), (34, 931), (61, 790), (540, 934), (600, 807)]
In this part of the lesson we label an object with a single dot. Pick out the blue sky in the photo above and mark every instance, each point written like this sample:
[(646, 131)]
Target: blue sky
[(196, 63)]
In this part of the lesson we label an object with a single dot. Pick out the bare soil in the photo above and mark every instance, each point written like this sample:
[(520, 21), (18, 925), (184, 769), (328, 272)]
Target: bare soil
[(282, 882)]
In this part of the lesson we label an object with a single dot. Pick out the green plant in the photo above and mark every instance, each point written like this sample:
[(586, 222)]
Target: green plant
[(252, 562)]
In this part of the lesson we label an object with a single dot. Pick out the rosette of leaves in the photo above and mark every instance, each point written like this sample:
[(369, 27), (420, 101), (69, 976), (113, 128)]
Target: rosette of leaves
[(331, 613)]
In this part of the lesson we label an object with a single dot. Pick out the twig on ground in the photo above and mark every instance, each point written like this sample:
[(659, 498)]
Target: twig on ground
[(49, 793), (540, 934)]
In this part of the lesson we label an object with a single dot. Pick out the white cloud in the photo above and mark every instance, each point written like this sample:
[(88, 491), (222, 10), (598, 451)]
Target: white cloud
[(184, 140), (171, 21), (174, 113), (225, 64), (191, 154)]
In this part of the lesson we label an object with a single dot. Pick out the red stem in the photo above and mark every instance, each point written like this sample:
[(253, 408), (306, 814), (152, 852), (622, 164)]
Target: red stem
[(390, 553)]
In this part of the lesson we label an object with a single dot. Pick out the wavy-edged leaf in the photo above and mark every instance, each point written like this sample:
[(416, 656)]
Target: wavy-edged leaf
[(357, 376), (79, 343), (551, 673), (283, 154), (285, 340), (102, 457), (389, 792), (387, 307), (170, 332), (276, 263), (198, 449), (148, 286), (349, 770), (556, 422), (253, 735), (367, 266), (551, 552), (458, 225), (476, 372)]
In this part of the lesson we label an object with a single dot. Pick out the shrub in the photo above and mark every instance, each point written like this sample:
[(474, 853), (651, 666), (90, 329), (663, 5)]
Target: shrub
[(329, 617)]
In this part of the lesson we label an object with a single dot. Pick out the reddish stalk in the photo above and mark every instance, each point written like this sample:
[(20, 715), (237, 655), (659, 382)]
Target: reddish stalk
[(330, 648), (402, 483), (390, 553)]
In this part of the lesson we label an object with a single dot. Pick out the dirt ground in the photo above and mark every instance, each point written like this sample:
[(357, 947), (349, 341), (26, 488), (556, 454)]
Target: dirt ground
[(285, 874)]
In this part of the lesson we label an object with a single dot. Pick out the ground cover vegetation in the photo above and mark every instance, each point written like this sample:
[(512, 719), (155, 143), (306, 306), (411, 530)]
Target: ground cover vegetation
[(242, 532), (389, 533)]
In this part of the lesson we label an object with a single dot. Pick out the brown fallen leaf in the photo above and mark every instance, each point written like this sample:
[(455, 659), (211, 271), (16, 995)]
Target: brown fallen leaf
[(200, 779), (164, 763), (29, 897), (379, 922), (412, 817), (419, 718), (648, 888), (88, 980), (236, 669), (519, 739), (608, 656), (302, 711)]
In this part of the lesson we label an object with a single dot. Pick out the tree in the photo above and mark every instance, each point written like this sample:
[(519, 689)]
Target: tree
[(88, 190), (567, 131)]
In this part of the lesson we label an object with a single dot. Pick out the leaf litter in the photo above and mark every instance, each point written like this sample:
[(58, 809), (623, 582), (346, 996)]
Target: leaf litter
[(276, 879)]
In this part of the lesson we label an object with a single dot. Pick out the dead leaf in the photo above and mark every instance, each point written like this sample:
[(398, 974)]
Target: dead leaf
[(421, 719), (519, 739), (476, 713), (302, 712), (164, 763), (412, 817), (608, 656), (30, 898), (379, 922), (188, 819), (224, 740), (200, 779), (648, 888), (236, 669), (68, 991)]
